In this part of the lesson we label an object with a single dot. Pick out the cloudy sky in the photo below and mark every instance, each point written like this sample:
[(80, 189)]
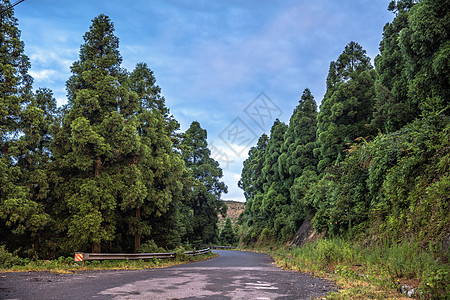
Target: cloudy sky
[(232, 65)]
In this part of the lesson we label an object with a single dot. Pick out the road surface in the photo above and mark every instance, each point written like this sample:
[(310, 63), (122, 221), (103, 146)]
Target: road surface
[(234, 275)]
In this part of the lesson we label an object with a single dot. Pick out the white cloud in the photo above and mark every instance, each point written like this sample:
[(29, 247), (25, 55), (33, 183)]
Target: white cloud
[(42, 75)]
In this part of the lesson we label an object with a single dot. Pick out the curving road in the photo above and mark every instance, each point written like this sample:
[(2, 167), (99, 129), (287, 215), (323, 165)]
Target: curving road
[(234, 275)]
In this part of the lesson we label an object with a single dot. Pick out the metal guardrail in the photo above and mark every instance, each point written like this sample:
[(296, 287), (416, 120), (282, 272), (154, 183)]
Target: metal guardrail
[(82, 257), (107, 256), (219, 247), (198, 252)]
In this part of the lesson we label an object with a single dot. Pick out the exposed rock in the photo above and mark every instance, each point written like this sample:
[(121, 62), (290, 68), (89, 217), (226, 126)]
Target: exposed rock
[(305, 234), (410, 292), (405, 288)]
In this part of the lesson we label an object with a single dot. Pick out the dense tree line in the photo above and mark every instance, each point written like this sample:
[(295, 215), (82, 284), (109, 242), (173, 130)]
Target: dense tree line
[(106, 172), (374, 161)]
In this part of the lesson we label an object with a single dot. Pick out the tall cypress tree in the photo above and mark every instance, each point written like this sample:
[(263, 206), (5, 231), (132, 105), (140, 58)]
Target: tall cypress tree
[(23, 141), (97, 144), (392, 108), (32, 152), (160, 166), (297, 162), (252, 181), (275, 197), (15, 83), (297, 150), (205, 197), (347, 108), (425, 44)]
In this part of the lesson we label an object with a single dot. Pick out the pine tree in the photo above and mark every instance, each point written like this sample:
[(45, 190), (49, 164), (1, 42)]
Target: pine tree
[(227, 235), (347, 108), (205, 197), (297, 161), (252, 181), (24, 127), (297, 150), (425, 44), (275, 197), (160, 166), (392, 108), (97, 146)]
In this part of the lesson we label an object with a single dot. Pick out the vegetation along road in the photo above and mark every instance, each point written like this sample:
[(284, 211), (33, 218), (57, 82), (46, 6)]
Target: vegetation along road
[(234, 275)]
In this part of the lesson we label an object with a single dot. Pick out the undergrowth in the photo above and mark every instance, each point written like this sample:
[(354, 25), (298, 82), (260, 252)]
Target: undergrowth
[(375, 272)]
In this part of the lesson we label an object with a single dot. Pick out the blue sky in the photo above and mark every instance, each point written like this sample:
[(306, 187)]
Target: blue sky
[(234, 66)]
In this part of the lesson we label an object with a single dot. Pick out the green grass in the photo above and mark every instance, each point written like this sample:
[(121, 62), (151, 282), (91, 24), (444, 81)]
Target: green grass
[(374, 272)]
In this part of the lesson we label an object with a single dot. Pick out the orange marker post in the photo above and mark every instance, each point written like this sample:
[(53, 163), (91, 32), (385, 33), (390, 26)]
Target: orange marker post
[(79, 257)]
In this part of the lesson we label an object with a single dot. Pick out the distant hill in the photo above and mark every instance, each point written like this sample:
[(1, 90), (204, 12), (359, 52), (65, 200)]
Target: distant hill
[(235, 208)]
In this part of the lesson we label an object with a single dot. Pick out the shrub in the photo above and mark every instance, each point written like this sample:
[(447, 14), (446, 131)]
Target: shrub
[(151, 247), (7, 259)]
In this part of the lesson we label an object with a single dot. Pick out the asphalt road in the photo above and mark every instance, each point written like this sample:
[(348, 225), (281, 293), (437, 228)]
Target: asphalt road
[(234, 275)]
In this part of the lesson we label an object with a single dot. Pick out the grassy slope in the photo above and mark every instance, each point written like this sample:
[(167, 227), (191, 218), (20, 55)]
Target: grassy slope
[(365, 273)]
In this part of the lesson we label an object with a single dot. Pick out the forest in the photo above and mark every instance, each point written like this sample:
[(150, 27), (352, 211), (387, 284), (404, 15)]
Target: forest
[(372, 163), (110, 171), (107, 172)]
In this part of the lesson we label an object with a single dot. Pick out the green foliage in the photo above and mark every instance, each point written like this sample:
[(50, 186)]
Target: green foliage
[(151, 247), (7, 259), (388, 192), (384, 265), (204, 197), (425, 45), (104, 171), (435, 284), (227, 235), (25, 120), (346, 110), (393, 109)]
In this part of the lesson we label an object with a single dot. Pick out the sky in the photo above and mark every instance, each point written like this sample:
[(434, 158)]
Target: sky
[(232, 65)]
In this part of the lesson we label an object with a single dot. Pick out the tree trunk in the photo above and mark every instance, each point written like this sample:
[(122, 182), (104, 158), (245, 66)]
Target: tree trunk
[(137, 236), (96, 247), (98, 165), (36, 245)]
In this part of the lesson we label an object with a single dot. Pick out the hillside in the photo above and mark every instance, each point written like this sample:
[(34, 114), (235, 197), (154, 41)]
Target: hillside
[(235, 208)]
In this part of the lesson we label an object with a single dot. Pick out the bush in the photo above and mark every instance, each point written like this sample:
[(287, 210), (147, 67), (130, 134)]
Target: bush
[(7, 259), (180, 255), (151, 247), (435, 284)]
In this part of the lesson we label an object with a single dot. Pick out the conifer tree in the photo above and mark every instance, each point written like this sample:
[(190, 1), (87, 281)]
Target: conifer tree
[(97, 146), (425, 44), (32, 152), (297, 162), (205, 197), (392, 108), (299, 141), (227, 235), (275, 197), (160, 166), (23, 141), (347, 108), (252, 182)]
